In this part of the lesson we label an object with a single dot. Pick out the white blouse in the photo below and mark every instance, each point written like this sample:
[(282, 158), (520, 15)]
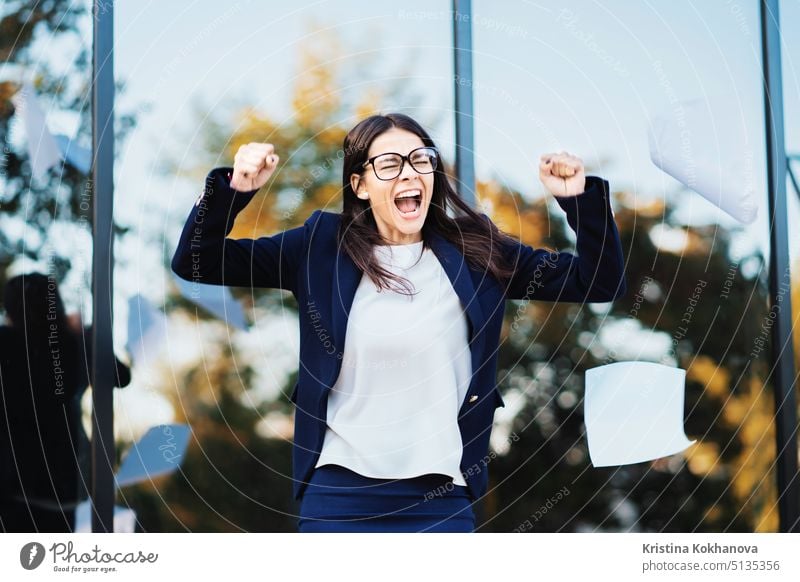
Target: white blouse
[(405, 372)]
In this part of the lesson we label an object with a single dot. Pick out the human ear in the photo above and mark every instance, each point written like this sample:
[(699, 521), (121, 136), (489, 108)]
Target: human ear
[(355, 180)]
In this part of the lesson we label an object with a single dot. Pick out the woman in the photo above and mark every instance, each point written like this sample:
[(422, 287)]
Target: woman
[(397, 389), (44, 355)]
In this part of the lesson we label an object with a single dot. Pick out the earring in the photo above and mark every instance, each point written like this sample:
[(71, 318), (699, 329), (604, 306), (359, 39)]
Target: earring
[(363, 195)]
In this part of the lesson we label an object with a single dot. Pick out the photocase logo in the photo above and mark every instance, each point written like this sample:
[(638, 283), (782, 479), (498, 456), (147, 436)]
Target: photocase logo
[(31, 555)]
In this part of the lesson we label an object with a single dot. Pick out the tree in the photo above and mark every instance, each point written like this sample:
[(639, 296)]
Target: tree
[(725, 482), (62, 202)]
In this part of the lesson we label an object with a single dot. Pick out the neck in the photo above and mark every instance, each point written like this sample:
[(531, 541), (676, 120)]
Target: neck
[(408, 239)]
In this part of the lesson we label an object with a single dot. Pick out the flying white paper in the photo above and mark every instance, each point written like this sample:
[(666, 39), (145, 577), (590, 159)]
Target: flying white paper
[(43, 150), (633, 412), (79, 157), (216, 299), (705, 146), (159, 452), (124, 518), (147, 328)]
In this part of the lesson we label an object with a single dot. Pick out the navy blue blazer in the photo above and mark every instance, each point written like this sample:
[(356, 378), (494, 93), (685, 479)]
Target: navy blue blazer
[(307, 261)]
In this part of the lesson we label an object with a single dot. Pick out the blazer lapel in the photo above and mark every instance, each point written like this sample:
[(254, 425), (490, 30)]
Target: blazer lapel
[(458, 272), (346, 277)]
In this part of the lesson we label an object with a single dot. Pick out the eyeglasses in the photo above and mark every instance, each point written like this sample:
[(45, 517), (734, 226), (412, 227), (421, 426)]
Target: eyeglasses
[(390, 165)]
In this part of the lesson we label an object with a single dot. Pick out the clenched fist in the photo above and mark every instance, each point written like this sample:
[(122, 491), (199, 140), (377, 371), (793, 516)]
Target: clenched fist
[(562, 174), (253, 165)]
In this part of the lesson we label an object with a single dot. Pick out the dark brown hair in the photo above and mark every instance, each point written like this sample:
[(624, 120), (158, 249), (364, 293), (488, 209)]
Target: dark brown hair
[(477, 238)]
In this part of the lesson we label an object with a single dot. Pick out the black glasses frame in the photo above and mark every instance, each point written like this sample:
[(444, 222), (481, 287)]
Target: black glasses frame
[(403, 160)]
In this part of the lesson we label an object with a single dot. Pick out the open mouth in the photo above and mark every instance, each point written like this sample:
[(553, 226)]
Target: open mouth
[(408, 203)]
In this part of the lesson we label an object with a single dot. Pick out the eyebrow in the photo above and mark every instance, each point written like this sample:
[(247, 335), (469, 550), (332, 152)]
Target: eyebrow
[(398, 153)]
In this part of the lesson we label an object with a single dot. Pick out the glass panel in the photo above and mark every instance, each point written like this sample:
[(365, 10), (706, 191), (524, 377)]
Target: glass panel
[(588, 78)]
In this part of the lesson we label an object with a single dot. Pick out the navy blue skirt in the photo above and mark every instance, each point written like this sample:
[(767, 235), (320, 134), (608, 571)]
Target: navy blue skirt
[(338, 499)]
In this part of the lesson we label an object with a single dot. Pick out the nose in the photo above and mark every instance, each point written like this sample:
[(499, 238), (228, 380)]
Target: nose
[(408, 172)]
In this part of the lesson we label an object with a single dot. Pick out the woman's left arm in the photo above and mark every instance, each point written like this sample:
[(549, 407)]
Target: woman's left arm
[(596, 273)]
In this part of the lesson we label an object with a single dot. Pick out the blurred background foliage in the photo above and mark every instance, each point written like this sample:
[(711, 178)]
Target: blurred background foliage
[(237, 474)]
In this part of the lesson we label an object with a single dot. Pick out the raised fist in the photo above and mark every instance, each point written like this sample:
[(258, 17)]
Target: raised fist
[(562, 174), (253, 165)]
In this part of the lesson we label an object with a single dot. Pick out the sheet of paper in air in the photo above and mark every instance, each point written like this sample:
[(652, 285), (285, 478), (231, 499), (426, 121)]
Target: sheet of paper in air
[(633, 412), (78, 156), (705, 146), (124, 518), (43, 149), (216, 299), (159, 452), (147, 328)]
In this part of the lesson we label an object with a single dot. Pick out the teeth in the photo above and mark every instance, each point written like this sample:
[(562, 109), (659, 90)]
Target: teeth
[(409, 193)]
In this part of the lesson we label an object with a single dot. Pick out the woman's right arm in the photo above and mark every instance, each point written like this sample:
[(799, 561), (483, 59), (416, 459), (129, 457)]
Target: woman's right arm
[(205, 255)]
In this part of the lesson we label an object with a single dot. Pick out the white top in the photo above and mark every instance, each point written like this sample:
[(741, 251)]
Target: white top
[(406, 367)]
